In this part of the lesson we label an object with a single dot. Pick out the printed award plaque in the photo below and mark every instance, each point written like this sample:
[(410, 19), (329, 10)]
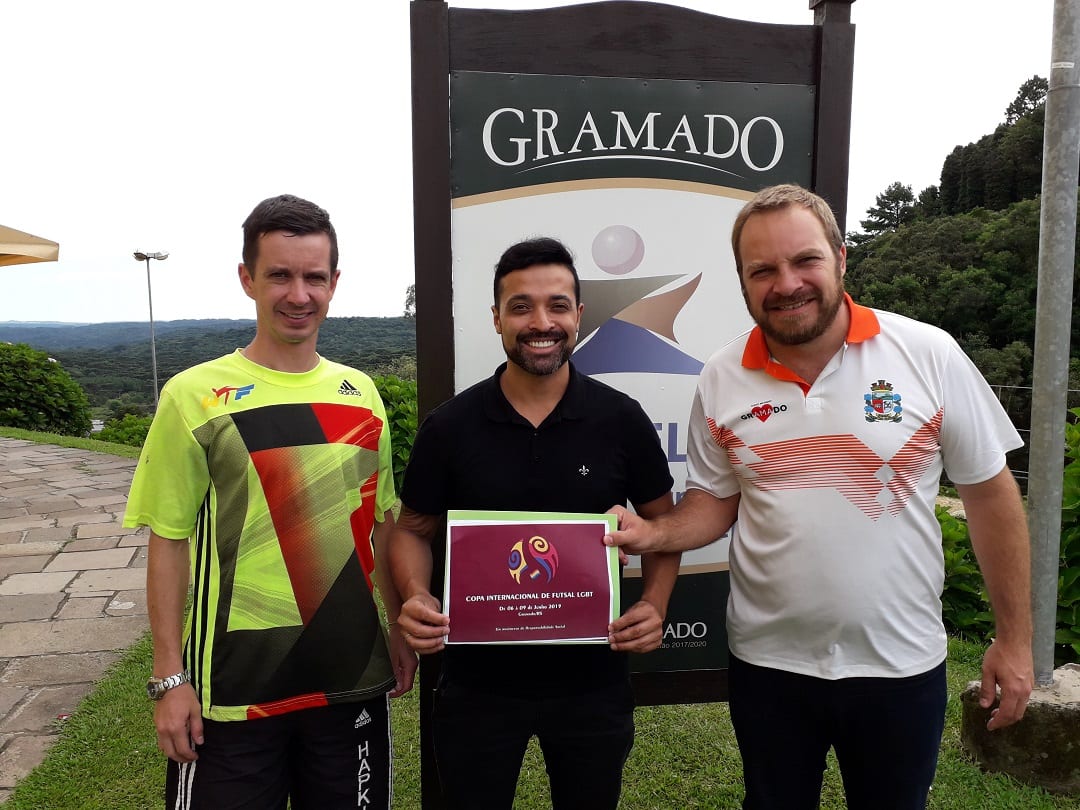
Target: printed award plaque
[(530, 578)]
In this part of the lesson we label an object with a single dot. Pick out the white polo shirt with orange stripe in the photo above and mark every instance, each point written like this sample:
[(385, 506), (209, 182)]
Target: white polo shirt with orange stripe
[(836, 563)]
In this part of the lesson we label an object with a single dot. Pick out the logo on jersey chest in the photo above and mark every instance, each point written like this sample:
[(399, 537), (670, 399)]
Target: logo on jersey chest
[(347, 389), (882, 404), (221, 395), (763, 411)]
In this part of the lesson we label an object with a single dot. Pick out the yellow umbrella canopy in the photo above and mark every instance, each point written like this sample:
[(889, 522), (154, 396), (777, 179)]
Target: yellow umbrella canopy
[(17, 247)]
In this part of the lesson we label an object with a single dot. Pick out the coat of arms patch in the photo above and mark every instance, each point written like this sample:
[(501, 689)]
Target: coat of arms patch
[(882, 405)]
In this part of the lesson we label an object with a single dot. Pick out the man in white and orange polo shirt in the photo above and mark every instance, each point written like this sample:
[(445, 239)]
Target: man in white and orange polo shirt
[(825, 431)]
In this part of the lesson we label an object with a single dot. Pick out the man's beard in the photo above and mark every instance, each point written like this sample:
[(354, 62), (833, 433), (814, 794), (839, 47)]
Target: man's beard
[(520, 355), (789, 333)]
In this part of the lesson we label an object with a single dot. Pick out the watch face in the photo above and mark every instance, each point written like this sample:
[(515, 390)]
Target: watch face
[(153, 689)]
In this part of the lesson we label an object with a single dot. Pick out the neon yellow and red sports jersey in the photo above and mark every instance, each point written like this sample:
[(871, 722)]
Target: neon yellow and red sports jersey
[(836, 561), (277, 479)]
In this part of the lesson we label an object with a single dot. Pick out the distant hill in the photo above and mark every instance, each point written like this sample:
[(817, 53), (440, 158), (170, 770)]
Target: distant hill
[(112, 360), (41, 323), (52, 336)]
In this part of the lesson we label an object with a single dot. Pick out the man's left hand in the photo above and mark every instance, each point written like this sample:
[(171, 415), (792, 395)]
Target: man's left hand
[(404, 662), (638, 630), (1010, 670)]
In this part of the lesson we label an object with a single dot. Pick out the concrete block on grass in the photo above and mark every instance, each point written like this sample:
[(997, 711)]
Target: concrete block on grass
[(1043, 749)]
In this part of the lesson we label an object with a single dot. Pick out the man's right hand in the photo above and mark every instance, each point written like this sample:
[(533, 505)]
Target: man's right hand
[(178, 719), (698, 519), (635, 535), (422, 624)]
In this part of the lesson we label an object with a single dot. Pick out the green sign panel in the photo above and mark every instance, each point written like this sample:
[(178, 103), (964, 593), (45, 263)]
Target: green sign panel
[(510, 131)]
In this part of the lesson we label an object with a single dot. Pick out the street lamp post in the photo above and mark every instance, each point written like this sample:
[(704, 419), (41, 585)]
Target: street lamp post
[(146, 257)]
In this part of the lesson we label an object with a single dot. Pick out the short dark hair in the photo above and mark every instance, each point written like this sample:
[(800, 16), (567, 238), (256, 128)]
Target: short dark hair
[(531, 252), (775, 198), (292, 215)]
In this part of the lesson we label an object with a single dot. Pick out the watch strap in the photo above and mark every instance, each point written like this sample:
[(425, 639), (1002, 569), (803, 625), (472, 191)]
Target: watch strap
[(157, 687), (175, 680)]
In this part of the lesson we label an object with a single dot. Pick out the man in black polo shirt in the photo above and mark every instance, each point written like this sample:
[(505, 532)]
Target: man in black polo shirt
[(536, 436)]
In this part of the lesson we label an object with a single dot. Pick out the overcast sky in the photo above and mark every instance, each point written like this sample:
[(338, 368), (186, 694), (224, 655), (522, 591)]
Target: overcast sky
[(157, 126)]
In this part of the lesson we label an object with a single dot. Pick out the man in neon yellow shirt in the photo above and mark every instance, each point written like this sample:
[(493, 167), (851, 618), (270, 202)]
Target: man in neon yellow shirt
[(264, 479)]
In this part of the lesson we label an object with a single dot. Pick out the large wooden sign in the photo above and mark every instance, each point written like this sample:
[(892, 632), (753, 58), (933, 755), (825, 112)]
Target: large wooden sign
[(633, 132)]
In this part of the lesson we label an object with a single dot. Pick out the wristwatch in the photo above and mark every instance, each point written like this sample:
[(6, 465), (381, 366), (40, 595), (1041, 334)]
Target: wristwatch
[(157, 687)]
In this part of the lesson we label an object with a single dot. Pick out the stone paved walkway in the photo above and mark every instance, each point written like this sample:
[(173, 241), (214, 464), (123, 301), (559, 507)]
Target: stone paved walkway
[(72, 589)]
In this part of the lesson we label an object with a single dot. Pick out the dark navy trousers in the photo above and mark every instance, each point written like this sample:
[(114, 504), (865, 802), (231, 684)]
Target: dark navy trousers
[(886, 733)]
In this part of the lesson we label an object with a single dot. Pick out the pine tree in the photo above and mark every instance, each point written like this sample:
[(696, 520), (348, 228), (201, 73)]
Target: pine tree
[(1030, 96), (893, 207)]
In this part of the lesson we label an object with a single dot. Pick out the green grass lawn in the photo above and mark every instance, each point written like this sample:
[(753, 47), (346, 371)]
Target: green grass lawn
[(684, 757), (71, 441)]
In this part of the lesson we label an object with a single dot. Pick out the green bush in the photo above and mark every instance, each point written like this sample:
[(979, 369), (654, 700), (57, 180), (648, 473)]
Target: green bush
[(965, 603), (130, 430), (120, 407), (965, 606), (36, 393), (1067, 636), (399, 398)]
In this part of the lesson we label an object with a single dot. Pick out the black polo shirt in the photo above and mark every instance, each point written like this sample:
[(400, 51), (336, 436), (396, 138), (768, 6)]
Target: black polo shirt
[(597, 448)]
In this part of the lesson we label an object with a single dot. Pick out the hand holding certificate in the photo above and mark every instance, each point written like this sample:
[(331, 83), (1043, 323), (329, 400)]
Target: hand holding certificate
[(530, 578)]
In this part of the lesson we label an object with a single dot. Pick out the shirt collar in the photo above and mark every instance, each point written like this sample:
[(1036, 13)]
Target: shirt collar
[(497, 407), (863, 326)]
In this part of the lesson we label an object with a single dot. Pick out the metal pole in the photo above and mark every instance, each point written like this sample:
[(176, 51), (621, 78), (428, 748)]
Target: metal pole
[(153, 346), (1057, 248)]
